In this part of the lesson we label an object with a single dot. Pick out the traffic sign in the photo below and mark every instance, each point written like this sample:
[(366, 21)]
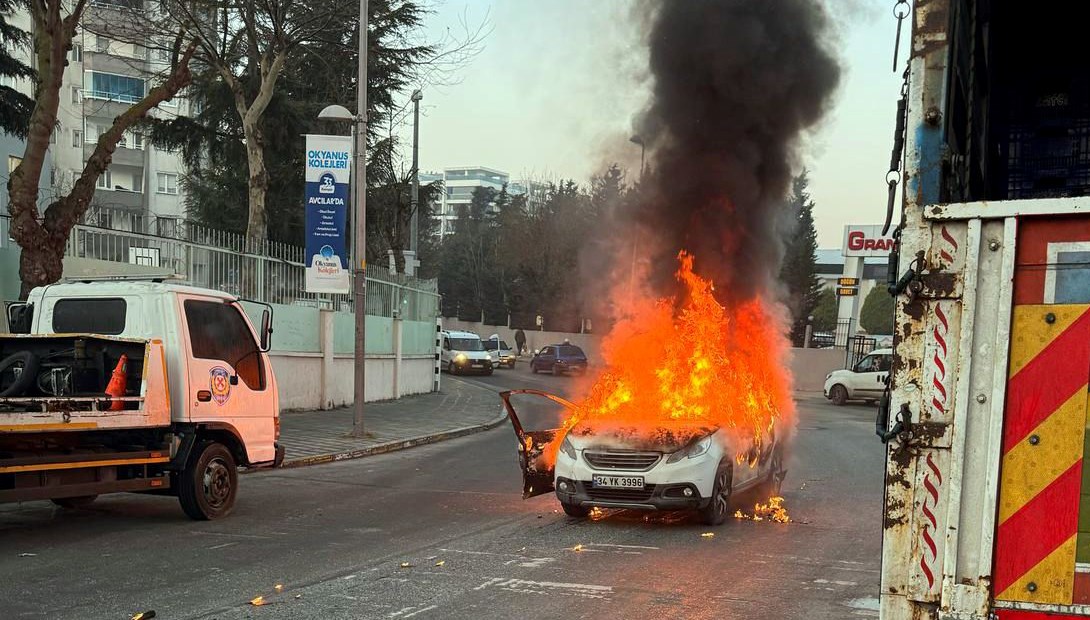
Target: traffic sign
[(847, 291), (847, 281)]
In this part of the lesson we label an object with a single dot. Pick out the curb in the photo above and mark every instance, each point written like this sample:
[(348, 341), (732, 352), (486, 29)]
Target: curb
[(391, 446)]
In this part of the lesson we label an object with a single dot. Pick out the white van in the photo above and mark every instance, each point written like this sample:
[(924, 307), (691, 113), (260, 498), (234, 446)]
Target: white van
[(864, 381), (464, 352)]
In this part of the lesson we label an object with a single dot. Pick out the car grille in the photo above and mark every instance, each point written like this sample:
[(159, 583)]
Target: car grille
[(620, 495), (628, 461)]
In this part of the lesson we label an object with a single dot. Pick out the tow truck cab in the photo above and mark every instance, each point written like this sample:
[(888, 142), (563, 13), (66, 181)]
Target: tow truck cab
[(134, 386)]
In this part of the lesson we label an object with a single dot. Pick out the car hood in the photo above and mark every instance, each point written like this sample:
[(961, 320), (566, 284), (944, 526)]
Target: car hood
[(662, 439)]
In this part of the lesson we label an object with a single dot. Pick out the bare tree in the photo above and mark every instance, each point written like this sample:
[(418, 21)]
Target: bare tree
[(248, 43), (43, 236)]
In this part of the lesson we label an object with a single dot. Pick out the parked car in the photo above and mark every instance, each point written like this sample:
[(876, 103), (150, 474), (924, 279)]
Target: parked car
[(464, 352), (687, 467), (501, 353), (560, 359), (864, 381)]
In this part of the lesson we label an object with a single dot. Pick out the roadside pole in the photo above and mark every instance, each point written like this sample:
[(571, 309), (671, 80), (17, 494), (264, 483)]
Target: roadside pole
[(359, 245)]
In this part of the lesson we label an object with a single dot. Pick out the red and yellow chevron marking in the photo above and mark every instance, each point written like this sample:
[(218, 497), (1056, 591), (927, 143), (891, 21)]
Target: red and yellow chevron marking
[(1041, 474), (1011, 614)]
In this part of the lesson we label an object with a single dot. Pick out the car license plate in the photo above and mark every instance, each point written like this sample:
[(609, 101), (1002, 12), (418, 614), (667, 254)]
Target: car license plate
[(617, 482)]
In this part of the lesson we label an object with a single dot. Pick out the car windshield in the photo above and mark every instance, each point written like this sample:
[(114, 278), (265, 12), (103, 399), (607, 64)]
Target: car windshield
[(489, 345), (466, 344)]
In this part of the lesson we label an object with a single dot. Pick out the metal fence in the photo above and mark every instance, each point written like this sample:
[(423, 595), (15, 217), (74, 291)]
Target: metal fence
[(265, 271)]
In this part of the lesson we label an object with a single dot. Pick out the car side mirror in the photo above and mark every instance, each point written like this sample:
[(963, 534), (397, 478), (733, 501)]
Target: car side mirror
[(19, 318), (266, 330)]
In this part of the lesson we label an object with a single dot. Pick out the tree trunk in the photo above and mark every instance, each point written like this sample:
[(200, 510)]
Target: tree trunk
[(40, 265), (257, 224)]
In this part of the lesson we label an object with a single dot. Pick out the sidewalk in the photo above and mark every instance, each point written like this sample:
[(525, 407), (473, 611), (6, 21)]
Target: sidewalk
[(312, 437)]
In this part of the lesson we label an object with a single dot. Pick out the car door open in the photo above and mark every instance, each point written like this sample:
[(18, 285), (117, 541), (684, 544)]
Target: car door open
[(534, 446)]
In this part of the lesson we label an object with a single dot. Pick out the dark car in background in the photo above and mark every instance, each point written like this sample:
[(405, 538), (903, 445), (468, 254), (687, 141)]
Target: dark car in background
[(560, 359)]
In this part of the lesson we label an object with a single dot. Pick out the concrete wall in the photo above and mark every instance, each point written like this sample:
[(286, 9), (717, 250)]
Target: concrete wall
[(809, 366)]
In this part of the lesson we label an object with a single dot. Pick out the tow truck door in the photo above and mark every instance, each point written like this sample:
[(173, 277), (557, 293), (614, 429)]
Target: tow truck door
[(536, 463)]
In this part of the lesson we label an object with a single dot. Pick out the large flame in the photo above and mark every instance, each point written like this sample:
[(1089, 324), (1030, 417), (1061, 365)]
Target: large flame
[(692, 361)]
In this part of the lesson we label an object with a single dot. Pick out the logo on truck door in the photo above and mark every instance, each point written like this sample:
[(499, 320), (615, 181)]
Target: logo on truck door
[(220, 383)]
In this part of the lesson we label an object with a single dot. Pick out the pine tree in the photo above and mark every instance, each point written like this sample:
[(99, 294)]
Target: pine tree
[(799, 270), (876, 317), (15, 107)]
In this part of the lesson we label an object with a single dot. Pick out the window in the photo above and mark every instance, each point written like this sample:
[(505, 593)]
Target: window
[(466, 344), (102, 44), (168, 183), (76, 94), (548, 351), (116, 87), (76, 55), (217, 331), (104, 316), (104, 180), (571, 351), (124, 141), (162, 55), (13, 163), (138, 141), (77, 137)]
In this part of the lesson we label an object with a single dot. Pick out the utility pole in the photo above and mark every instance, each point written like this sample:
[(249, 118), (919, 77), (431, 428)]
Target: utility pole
[(415, 200), (359, 245)]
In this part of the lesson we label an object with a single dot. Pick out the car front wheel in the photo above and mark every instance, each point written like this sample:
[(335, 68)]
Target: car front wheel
[(838, 394), (718, 509)]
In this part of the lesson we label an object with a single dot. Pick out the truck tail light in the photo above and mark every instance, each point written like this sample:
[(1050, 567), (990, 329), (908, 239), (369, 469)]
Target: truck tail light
[(276, 424)]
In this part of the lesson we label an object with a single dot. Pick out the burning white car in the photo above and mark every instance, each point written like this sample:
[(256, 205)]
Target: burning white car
[(681, 467)]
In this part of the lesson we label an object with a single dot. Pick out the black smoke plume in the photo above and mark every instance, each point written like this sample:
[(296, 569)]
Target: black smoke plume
[(735, 84)]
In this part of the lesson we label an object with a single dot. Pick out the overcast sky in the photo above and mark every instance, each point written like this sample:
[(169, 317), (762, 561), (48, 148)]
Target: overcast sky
[(553, 91)]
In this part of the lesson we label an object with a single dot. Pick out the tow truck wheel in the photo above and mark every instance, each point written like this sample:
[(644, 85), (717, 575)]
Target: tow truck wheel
[(838, 394), (75, 502), (574, 510), (718, 509), (209, 484)]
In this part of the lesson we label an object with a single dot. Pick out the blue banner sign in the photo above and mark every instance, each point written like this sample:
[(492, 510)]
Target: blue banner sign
[(328, 171)]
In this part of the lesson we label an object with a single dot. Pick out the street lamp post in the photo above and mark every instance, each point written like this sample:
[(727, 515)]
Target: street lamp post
[(415, 199), (359, 219)]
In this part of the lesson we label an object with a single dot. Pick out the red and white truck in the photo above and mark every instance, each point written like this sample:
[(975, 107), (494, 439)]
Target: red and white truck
[(134, 386), (987, 502)]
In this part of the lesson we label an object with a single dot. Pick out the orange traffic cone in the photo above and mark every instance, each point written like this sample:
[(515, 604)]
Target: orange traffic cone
[(116, 389)]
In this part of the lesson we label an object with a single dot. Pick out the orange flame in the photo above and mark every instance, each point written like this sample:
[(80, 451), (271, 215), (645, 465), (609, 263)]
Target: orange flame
[(696, 362)]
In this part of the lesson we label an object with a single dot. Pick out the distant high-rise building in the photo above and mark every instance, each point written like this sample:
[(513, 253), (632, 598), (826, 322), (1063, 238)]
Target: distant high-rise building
[(458, 186)]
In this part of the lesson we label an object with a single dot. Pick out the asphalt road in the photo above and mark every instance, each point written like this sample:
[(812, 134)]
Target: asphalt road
[(441, 531)]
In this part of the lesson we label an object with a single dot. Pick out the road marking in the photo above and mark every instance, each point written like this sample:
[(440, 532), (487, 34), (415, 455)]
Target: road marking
[(420, 611), (836, 583), (223, 545), (622, 546), (584, 590)]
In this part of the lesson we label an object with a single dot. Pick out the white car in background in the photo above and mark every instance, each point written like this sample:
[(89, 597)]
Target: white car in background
[(685, 467), (864, 381), (501, 353), (463, 352)]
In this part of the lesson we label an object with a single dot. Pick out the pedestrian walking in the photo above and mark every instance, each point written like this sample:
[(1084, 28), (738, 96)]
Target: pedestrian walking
[(520, 341)]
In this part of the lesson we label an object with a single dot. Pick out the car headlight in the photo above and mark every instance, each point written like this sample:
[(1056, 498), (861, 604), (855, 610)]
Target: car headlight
[(693, 450), (567, 448), (460, 358)]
